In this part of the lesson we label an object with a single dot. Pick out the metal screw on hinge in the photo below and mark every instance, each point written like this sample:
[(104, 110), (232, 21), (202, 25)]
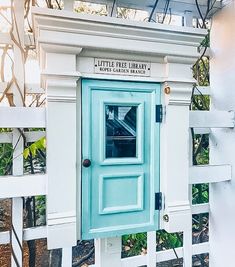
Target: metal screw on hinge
[(165, 218)]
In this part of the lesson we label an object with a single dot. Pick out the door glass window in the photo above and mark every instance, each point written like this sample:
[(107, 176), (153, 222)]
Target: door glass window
[(120, 131)]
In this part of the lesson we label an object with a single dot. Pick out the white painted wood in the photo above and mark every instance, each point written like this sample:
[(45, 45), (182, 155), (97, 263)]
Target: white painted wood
[(222, 197), (201, 248), (151, 249), (22, 186), (109, 33), (7, 137), (202, 130), (61, 150), (175, 160), (17, 233), (134, 261), (28, 234), (212, 119), (17, 204), (79, 158), (210, 174), (202, 90), (188, 18), (108, 252), (164, 255), (35, 233), (187, 248), (17, 117), (200, 208), (187, 235), (34, 135), (66, 257)]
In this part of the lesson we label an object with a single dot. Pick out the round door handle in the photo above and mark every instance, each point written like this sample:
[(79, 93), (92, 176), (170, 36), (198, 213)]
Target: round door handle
[(86, 163)]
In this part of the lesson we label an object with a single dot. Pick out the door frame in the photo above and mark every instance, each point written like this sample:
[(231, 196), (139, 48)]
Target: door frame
[(87, 85)]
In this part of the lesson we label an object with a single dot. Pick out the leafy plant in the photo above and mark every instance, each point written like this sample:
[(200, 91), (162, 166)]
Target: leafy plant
[(134, 244)]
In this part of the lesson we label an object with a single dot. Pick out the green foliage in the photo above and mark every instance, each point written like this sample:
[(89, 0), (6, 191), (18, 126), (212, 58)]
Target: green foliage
[(168, 241), (206, 41), (40, 205), (6, 152), (40, 210), (35, 147), (200, 193), (134, 244)]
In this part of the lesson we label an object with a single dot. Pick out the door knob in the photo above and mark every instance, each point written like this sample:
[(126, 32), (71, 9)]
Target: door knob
[(86, 163)]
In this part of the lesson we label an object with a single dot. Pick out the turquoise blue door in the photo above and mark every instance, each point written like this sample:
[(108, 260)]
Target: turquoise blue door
[(120, 153)]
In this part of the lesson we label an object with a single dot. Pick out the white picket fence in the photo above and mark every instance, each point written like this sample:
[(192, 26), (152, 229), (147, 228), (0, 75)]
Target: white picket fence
[(18, 185)]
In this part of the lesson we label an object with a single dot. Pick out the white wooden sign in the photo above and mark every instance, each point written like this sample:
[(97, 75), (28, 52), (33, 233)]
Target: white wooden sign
[(122, 67)]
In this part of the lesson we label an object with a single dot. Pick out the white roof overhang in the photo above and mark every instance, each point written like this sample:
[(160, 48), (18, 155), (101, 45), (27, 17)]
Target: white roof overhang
[(72, 30)]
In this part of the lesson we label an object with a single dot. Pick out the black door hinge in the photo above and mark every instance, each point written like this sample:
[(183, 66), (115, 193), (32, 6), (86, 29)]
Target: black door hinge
[(159, 113), (158, 201)]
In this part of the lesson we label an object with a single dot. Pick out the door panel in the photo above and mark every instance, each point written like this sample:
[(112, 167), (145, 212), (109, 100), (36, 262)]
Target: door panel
[(121, 139)]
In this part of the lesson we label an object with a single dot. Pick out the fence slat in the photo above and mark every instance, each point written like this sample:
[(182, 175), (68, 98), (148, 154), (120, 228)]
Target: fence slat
[(22, 117), (34, 136), (28, 234), (200, 208), (202, 90), (6, 138), (202, 130), (151, 249), (66, 257), (211, 119), (201, 248), (22, 186), (209, 174), (165, 255)]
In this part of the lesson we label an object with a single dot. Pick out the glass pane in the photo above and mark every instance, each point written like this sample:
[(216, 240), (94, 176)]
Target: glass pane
[(120, 131)]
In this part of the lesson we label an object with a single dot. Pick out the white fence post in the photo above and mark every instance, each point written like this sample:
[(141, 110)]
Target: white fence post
[(66, 257), (151, 249), (108, 252), (187, 248)]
